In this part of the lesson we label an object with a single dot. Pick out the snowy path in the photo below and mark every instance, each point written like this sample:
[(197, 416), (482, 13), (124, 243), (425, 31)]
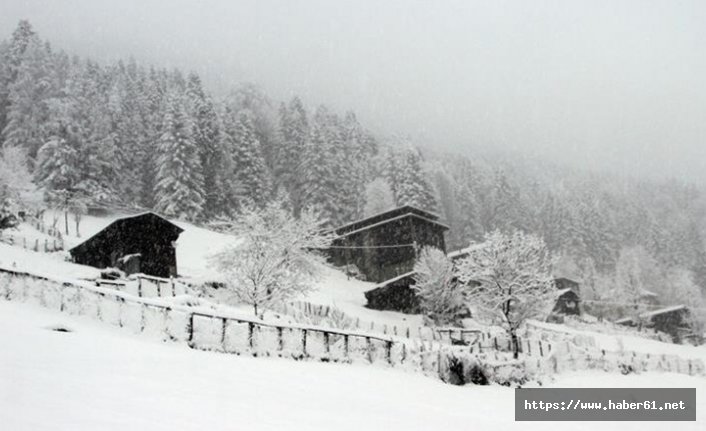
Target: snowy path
[(99, 378)]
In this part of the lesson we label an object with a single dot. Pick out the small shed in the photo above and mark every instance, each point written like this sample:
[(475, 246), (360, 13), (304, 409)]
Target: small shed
[(138, 243), (568, 301), (394, 295), (385, 245)]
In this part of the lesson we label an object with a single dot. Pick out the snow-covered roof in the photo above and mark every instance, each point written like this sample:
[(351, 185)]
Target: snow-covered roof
[(385, 221), (405, 208), (664, 310), (392, 280), (650, 314), (123, 218), (565, 290), (465, 251)]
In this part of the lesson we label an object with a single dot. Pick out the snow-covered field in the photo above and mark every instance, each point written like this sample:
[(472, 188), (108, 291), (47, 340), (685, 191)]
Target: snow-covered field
[(98, 378)]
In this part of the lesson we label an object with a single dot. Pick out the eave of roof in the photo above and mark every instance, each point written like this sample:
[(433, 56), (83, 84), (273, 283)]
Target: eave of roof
[(410, 208), (385, 221)]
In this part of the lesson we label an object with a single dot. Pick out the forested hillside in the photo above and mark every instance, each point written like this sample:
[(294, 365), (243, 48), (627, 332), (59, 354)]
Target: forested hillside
[(131, 135)]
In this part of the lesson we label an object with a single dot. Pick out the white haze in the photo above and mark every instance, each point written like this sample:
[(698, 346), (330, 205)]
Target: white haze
[(617, 85)]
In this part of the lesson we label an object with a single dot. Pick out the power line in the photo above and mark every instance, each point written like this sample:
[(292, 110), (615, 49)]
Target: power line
[(357, 247)]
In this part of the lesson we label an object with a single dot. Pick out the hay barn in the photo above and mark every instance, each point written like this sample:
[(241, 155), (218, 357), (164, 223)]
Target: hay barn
[(139, 243), (385, 245)]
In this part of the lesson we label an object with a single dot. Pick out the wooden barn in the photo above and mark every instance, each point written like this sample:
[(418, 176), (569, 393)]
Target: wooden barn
[(569, 301), (140, 243), (385, 245)]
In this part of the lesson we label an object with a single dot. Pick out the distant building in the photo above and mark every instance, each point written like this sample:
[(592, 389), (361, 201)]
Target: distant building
[(569, 300), (140, 243), (385, 245), (673, 320)]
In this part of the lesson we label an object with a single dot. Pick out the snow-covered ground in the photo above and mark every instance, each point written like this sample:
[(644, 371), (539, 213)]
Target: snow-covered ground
[(99, 378), (616, 343)]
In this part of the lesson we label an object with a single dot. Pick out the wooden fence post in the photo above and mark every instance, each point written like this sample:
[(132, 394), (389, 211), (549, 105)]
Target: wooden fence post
[(370, 349), (304, 342), (139, 288), (191, 329), (346, 353), (223, 333), (388, 352)]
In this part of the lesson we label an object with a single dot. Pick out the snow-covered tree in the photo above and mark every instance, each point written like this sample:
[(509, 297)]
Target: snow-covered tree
[(27, 114), (637, 276), (206, 138), (409, 180), (179, 188), (16, 184), (250, 168), (378, 197), (294, 131), (509, 280), (684, 291), (442, 297), (273, 256)]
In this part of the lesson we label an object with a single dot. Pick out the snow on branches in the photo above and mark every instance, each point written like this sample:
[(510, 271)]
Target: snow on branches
[(509, 280), (274, 256), (442, 299)]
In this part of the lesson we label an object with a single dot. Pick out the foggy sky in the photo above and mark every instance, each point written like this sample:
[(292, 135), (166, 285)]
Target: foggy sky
[(600, 84)]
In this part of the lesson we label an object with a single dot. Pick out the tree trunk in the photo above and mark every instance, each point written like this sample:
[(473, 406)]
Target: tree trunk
[(66, 222), (515, 345), (254, 306), (78, 220)]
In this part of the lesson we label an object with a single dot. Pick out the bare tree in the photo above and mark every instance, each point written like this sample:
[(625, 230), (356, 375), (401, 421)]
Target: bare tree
[(509, 280)]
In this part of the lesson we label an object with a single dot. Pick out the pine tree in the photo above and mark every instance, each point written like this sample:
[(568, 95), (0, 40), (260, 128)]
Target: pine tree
[(251, 171), (29, 96), (206, 138), (317, 170), (179, 187), (11, 55), (409, 180), (294, 130)]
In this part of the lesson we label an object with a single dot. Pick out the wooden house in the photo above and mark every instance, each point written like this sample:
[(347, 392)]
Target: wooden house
[(139, 243), (385, 245)]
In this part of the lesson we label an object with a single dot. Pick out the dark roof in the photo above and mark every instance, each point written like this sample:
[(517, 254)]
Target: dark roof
[(119, 222), (388, 216)]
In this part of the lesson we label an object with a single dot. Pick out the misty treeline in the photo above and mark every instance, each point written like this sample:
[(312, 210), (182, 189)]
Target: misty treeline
[(129, 135)]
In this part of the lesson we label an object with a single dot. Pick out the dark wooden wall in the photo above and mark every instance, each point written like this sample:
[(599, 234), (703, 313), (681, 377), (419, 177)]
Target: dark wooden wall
[(380, 264)]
